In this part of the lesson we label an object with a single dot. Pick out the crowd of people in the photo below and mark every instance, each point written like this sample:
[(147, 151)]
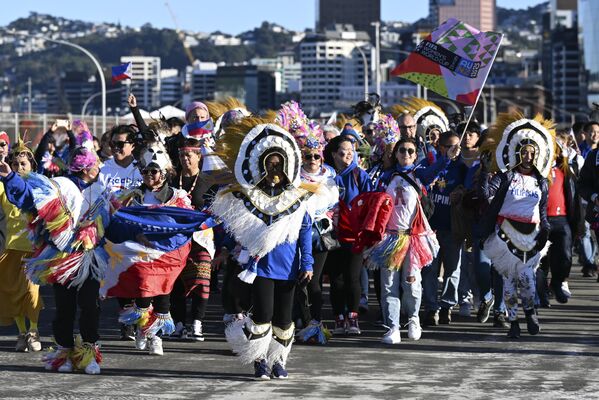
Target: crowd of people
[(149, 213)]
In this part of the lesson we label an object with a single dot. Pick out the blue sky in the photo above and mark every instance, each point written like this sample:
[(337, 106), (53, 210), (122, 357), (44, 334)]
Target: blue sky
[(230, 16)]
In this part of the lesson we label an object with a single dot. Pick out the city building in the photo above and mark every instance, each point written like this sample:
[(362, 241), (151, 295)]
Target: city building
[(564, 77), (478, 13), (70, 92), (588, 11), (331, 60), (202, 80), (358, 13), (171, 87), (145, 84), (391, 93), (253, 85)]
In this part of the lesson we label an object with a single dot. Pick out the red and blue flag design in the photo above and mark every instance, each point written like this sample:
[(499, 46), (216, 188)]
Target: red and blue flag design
[(121, 72), (135, 270)]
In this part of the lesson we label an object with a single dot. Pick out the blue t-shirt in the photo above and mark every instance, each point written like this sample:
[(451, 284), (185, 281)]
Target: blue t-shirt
[(447, 180)]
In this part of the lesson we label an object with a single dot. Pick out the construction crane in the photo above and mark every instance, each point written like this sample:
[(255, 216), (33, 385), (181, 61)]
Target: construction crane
[(181, 35)]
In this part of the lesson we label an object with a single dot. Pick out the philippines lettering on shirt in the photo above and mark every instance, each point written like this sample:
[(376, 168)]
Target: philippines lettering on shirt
[(440, 199)]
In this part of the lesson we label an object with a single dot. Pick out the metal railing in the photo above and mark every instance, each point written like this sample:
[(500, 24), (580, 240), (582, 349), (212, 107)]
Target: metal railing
[(37, 124)]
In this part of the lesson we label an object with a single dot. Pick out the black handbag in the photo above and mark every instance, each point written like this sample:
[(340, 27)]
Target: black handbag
[(324, 241)]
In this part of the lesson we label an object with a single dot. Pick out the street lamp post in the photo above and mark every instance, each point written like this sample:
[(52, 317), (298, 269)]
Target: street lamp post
[(365, 62), (377, 56), (93, 96), (94, 60)]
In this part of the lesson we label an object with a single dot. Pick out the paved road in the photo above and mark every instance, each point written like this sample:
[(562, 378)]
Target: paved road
[(461, 361)]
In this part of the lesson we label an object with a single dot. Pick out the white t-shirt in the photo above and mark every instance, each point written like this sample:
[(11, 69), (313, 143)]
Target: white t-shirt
[(118, 178), (522, 200), (405, 201)]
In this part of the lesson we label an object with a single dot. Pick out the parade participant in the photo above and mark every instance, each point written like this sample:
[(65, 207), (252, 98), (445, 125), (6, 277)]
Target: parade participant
[(194, 280), (515, 225), (4, 150), (51, 153), (152, 315), (120, 173), (423, 121), (345, 267), (386, 134), (71, 214), (310, 139), (489, 284), (20, 297), (408, 245), (565, 220), (444, 189), (266, 213)]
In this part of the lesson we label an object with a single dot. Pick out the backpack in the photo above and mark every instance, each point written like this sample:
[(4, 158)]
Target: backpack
[(428, 206)]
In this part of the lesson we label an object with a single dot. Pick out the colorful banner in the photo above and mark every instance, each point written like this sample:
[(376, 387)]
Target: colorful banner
[(453, 61)]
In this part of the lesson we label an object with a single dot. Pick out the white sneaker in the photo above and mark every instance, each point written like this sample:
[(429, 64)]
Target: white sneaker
[(566, 289), (180, 331), (392, 336), (465, 309), (414, 329), (93, 368), (66, 367), (141, 341), (197, 334), (155, 346)]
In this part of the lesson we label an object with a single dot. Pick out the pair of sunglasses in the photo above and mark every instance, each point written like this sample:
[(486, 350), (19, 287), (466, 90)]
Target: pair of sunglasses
[(151, 171), (119, 144), (404, 150), (315, 157)]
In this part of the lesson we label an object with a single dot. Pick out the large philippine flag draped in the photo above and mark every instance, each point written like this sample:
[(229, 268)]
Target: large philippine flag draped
[(137, 270), (453, 61)]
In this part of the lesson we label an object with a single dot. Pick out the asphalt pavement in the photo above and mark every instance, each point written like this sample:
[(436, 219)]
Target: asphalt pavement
[(464, 360)]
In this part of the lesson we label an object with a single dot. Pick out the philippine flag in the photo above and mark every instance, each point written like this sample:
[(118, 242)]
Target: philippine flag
[(121, 72), (135, 270)]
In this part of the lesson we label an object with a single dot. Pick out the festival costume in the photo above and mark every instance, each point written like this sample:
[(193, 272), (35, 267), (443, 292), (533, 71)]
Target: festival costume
[(69, 217), (309, 136), (273, 230), (151, 310), (20, 297), (516, 225)]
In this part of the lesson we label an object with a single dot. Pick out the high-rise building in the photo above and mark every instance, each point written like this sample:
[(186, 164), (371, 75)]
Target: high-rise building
[(202, 81), (145, 84), (564, 77), (330, 61), (70, 92), (254, 86), (588, 11), (359, 13), (478, 13), (171, 87)]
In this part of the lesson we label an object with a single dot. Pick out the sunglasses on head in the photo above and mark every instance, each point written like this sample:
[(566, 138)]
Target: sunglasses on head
[(150, 171), (312, 157), (404, 150), (119, 144)]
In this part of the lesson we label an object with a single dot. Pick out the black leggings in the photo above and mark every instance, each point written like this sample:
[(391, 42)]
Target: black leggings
[(179, 304), (315, 286), (344, 269), (272, 301), (160, 303), (236, 294), (67, 300)]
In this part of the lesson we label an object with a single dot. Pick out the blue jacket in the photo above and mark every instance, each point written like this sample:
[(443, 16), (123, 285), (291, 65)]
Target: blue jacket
[(450, 178), (286, 260), (351, 182)]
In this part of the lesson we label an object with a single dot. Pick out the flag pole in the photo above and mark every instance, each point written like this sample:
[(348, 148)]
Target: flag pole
[(480, 91)]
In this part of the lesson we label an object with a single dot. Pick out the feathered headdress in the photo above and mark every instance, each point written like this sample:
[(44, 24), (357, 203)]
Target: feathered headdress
[(426, 113), (20, 147), (386, 134), (511, 132), (226, 113), (307, 133)]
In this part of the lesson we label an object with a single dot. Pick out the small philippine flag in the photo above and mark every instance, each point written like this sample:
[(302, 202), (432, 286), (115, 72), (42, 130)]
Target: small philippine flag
[(121, 72)]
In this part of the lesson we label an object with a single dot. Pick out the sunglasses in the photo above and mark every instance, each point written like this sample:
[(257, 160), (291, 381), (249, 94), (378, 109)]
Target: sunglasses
[(3, 144), (315, 157), (407, 126), (118, 145), (151, 171), (404, 150)]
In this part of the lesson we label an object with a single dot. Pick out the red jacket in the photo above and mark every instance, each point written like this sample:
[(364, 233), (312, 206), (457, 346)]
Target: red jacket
[(364, 225)]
